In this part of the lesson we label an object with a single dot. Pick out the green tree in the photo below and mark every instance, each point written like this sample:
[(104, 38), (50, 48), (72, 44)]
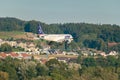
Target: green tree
[(41, 70), (5, 48), (111, 61), (56, 76), (31, 26), (52, 62), (31, 70), (89, 62), (9, 67), (79, 59)]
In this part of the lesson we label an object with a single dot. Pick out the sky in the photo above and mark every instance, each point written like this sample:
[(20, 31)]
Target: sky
[(63, 11)]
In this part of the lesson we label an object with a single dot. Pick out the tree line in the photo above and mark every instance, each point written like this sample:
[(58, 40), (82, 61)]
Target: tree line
[(85, 35)]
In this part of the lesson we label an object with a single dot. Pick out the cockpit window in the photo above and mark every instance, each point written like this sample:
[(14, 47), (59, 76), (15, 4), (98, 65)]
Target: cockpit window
[(42, 36), (67, 37)]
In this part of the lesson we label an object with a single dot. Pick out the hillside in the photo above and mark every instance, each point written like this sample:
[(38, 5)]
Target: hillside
[(16, 35), (85, 35)]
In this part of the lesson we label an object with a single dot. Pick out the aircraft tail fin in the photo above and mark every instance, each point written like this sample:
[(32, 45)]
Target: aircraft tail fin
[(40, 31)]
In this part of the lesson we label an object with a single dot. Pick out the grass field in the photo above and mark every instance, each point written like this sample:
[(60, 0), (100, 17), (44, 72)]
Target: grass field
[(14, 34)]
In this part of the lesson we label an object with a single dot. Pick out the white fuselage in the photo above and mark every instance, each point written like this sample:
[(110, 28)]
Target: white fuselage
[(56, 37)]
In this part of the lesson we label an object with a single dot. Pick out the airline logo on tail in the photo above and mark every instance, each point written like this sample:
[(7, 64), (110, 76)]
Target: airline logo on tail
[(40, 31)]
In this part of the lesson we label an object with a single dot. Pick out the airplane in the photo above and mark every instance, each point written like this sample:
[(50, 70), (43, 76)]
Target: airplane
[(54, 37)]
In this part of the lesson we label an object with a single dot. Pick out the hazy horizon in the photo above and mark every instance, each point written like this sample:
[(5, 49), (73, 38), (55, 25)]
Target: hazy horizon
[(63, 11)]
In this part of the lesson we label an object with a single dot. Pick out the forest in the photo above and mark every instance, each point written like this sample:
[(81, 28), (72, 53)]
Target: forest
[(87, 35), (86, 69)]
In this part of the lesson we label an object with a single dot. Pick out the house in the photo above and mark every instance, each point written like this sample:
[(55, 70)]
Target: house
[(14, 55), (22, 45), (113, 53), (43, 61), (103, 54), (1, 40), (25, 56), (112, 44), (84, 52), (3, 55), (63, 59), (12, 43), (72, 53)]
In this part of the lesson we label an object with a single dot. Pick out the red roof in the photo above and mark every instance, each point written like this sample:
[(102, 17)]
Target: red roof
[(24, 55), (3, 55), (112, 44), (43, 61), (14, 55)]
